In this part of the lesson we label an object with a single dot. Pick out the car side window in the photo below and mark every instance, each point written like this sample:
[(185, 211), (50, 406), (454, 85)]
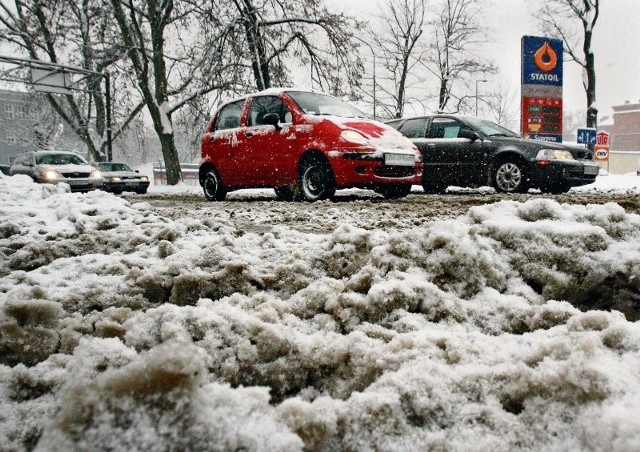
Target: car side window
[(445, 128), (262, 105), (414, 128), (229, 116)]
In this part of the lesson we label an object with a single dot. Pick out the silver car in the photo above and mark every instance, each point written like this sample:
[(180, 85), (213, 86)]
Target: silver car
[(55, 167)]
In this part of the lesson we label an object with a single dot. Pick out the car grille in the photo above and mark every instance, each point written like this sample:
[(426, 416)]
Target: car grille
[(394, 171), (76, 175)]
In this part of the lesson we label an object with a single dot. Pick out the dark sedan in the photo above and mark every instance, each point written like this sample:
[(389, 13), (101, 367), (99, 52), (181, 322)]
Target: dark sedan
[(473, 152), (119, 177)]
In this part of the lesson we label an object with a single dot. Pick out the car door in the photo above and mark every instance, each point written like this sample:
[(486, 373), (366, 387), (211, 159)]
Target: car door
[(222, 146), (455, 159), (267, 148)]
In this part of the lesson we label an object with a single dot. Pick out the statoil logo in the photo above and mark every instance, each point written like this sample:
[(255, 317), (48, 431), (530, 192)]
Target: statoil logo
[(545, 58)]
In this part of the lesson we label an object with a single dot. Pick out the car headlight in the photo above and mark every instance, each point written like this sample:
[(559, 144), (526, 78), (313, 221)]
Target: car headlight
[(115, 179), (95, 174), (353, 137), (554, 154), (51, 175), (144, 178)]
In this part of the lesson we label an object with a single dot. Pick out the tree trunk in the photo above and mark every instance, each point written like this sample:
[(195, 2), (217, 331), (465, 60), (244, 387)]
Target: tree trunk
[(590, 88)]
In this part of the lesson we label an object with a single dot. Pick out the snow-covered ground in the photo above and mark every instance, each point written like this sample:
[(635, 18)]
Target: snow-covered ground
[(123, 329)]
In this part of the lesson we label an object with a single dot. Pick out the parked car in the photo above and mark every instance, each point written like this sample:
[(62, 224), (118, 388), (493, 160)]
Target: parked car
[(305, 145), (638, 168), (54, 167), (472, 152), (119, 177)]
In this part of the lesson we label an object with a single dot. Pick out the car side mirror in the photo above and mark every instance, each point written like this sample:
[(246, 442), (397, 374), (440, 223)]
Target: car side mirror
[(272, 119), (469, 134)]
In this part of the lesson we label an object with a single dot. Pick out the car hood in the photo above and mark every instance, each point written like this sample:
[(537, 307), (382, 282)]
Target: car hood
[(71, 168), (120, 173), (381, 136), (577, 151)]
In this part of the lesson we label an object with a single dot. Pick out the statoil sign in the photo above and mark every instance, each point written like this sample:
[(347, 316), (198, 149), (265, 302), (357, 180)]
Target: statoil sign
[(541, 61), (541, 104)]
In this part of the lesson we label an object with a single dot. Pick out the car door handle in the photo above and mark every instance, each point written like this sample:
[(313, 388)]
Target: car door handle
[(249, 134)]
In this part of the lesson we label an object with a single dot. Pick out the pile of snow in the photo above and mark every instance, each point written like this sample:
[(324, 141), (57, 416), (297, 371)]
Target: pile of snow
[(511, 327)]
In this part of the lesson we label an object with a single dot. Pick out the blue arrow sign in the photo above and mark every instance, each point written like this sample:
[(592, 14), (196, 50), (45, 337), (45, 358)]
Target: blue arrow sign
[(586, 136)]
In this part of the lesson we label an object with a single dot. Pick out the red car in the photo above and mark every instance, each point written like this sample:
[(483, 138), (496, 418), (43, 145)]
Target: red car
[(305, 145)]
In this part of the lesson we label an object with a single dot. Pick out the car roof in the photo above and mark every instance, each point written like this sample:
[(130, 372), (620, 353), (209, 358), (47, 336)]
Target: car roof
[(269, 91)]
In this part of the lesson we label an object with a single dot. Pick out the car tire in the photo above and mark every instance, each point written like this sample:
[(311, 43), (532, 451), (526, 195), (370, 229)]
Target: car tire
[(394, 191), (214, 189), (142, 191), (315, 180), (284, 193), (509, 176)]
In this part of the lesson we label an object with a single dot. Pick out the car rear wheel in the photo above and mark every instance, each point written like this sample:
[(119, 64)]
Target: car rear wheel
[(394, 191), (212, 186), (315, 181), (510, 177)]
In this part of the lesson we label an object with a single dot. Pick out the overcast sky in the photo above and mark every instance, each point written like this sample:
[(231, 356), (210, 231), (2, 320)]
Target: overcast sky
[(616, 47)]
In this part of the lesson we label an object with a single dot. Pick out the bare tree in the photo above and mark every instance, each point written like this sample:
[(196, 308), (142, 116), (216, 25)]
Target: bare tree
[(560, 18), (176, 54), (277, 32), (66, 32), (501, 105), (457, 32), (400, 49)]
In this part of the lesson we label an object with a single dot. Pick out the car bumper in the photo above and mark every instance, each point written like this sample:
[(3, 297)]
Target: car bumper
[(120, 186), (364, 170), (569, 173), (80, 185)]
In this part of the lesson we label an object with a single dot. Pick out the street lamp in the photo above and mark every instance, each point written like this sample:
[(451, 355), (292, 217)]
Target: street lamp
[(478, 81), (373, 54)]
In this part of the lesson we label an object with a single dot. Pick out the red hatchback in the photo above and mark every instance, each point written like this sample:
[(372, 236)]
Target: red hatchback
[(305, 145)]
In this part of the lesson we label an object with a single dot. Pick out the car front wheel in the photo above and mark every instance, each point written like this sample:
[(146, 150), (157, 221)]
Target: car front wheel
[(213, 188), (315, 181), (510, 177)]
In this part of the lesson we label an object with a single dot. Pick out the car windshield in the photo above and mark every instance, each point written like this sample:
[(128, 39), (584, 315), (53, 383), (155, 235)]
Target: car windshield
[(108, 166), (322, 104), (490, 129), (59, 159)]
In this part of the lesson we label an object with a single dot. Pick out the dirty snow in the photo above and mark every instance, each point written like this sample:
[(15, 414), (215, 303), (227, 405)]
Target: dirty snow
[(511, 327)]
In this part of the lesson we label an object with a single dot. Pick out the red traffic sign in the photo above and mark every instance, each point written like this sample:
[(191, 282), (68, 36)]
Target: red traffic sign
[(602, 138)]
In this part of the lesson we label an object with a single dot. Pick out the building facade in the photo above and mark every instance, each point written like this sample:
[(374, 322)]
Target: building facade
[(624, 138), (27, 122)]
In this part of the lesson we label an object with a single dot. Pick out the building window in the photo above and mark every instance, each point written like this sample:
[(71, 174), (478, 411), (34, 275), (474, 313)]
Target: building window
[(22, 112), (8, 111), (11, 137)]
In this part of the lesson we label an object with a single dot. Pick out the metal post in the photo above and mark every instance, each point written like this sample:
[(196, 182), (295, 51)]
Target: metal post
[(107, 82), (478, 81)]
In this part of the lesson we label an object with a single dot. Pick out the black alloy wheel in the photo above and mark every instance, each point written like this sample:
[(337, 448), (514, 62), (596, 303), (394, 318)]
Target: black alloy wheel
[(510, 177)]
